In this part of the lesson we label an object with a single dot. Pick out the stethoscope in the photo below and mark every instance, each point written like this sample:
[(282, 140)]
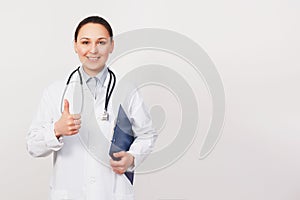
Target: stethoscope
[(109, 91)]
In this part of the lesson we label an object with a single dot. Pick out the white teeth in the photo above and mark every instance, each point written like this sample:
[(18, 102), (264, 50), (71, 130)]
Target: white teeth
[(93, 58)]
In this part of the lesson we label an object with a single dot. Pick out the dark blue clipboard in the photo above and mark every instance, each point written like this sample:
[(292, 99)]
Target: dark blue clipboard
[(122, 138)]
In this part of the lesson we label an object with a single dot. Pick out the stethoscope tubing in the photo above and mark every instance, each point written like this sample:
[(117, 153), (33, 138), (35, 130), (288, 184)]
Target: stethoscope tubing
[(108, 94), (66, 87), (108, 90)]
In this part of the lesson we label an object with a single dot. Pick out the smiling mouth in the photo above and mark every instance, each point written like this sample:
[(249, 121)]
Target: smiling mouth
[(93, 58)]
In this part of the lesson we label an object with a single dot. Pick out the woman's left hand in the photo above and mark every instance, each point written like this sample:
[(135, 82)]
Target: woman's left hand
[(120, 166)]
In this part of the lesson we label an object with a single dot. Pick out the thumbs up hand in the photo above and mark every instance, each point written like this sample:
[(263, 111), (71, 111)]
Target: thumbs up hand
[(68, 124)]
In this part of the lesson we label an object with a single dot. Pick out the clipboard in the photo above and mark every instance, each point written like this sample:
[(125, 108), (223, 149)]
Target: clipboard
[(122, 138)]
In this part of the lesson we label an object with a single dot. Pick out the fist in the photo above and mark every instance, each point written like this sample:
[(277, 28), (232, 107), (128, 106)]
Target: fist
[(120, 166), (68, 124)]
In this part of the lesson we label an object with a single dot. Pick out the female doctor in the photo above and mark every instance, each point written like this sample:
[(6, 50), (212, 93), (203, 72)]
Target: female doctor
[(77, 173)]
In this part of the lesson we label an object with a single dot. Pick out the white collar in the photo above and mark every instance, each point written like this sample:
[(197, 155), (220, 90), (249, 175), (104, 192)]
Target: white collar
[(101, 76)]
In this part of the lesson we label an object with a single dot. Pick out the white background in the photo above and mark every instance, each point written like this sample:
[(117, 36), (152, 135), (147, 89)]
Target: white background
[(254, 45)]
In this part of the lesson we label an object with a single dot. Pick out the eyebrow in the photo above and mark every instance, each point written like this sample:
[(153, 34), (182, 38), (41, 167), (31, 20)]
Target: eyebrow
[(87, 38)]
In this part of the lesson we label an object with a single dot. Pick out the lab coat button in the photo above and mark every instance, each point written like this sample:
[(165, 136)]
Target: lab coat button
[(92, 180)]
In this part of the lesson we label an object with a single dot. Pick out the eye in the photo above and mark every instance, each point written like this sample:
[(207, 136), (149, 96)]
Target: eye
[(102, 42), (85, 42)]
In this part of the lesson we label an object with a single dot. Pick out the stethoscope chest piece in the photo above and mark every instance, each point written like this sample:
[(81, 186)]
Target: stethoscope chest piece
[(110, 88), (105, 116)]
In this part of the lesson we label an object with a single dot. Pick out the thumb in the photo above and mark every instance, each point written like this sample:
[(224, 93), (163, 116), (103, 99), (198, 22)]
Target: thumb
[(66, 107)]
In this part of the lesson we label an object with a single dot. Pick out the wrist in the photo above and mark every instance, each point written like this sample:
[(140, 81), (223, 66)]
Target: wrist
[(57, 134), (131, 163)]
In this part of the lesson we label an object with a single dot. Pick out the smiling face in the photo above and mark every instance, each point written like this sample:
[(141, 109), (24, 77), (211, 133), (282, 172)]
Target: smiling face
[(93, 46)]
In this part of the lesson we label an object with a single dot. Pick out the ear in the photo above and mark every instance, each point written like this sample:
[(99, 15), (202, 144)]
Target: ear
[(112, 46), (75, 46)]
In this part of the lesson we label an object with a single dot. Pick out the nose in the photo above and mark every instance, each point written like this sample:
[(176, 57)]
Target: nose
[(94, 48)]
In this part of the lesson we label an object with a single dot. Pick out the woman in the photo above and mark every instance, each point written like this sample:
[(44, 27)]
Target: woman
[(80, 168)]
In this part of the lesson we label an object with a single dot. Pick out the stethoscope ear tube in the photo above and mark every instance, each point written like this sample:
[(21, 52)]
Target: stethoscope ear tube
[(69, 79)]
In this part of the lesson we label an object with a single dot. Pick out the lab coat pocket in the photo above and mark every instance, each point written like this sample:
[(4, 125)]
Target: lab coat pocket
[(64, 195), (61, 194), (123, 189), (58, 194)]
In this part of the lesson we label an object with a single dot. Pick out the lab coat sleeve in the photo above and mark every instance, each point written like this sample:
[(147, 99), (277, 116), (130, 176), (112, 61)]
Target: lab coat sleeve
[(41, 139), (143, 130)]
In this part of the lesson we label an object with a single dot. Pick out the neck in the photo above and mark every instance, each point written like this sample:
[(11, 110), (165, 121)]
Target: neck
[(92, 72)]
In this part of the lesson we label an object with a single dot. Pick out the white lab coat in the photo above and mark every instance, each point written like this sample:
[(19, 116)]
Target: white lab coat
[(77, 175)]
